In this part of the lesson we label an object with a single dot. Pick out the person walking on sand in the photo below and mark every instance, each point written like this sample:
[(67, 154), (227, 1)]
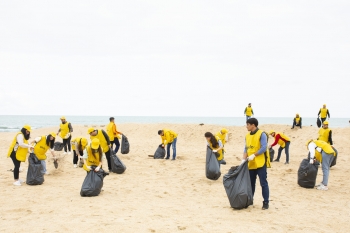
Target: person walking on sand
[(255, 151), (169, 139), (18, 151), (323, 113), (104, 143), (78, 146), (284, 143), (65, 132), (113, 134), (323, 153), (297, 121), (223, 136), (215, 143), (248, 111), (325, 134), (93, 156), (41, 146)]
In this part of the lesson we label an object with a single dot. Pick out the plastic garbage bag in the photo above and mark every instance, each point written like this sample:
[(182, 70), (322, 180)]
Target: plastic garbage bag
[(334, 162), (125, 148), (160, 153), (272, 154), (58, 146), (117, 165), (318, 122), (238, 186), (307, 174), (34, 175), (93, 183), (212, 168)]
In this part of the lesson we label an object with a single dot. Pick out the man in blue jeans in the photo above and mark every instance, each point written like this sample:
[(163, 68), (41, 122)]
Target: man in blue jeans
[(255, 152), (169, 139)]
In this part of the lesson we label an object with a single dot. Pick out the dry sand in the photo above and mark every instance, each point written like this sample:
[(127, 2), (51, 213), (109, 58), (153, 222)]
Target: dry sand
[(175, 196)]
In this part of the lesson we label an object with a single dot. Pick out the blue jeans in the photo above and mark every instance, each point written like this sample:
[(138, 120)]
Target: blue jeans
[(173, 144), (286, 150), (117, 145), (262, 173), (326, 164), (248, 117), (43, 164)]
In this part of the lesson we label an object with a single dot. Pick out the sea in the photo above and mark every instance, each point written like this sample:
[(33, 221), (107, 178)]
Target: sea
[(15, 123)]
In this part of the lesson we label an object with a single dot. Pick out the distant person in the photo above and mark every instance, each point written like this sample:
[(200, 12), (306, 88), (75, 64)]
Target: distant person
[(215, 143), (323, 153), (78, 145), (169, 139), (18, 151), (93, 156), (255, 151), (323, 113), (284, 143), (41, 146), (297, 121), (114, 134), (104, 143), (65, 132), (223, 136), (325, 134), (248, 111)]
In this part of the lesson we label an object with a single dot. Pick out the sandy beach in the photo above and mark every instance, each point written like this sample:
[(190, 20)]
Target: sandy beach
[(175, 196)]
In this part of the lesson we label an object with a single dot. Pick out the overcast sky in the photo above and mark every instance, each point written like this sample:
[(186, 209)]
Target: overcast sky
[(174, 58)]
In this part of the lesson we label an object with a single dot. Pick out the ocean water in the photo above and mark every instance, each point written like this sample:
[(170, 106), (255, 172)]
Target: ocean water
[(15, 123)]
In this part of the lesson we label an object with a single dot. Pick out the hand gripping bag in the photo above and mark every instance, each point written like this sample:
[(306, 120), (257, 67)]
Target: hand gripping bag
[(34, 175), (238, 187), (58, 146), (117, 165), (160, 153), (212, 168), (307, 174), (93, 183), (125, 148)]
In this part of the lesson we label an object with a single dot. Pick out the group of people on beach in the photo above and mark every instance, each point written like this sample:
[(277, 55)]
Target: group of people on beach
[(256, 149)]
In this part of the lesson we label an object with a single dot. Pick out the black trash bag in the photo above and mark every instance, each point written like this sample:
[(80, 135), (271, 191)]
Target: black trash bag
[(334, 162), (34, 175), (93, 183), (272, 154), (117, 165), (160, 153), (212, 168), (125, 148), (318, 122), (223, 162), (238, 187), (58, 146), (307, 174)]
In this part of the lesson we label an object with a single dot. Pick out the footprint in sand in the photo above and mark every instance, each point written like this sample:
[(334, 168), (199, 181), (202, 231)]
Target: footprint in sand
[(181, 228)]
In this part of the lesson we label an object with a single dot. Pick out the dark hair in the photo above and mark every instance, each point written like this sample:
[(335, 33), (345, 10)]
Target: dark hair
[(253, 121), (250, 104), (99, 151), (24, 132), (111, 118), (213, 140), (160, 132), (49, 142)]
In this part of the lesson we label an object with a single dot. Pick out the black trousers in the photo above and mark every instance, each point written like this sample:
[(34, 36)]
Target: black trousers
[(76, 157), (67, 142), (108, 156), (323, 119), (17, 165), (295, 124), (117, 145)]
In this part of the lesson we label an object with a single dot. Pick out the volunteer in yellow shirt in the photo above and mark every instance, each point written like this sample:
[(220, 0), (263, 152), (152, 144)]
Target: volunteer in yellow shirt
[(255, 151), (41, 146), (297, 121), (323, 113), (325, 134), (248, 111), (223, 136), (284, 143), (104, 143), (18, 151), (169, 139), (113, 134), (65, 132), (93, 156), (216, 145), (78, 145)]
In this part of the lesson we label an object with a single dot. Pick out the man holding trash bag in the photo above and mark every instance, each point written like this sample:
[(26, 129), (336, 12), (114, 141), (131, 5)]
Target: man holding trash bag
[(257, 155), (169, 138)]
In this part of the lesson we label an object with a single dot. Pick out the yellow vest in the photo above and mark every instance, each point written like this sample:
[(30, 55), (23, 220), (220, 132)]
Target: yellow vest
[(64, 129), (77, 140), (249, 111), (220, 152), (253, 145), (323, 135), (222, 137), (103, 141), (325, 147), (281, 142), (324, 112), (110, 132), (41, 148), (21, 153), (297, 120), (169, 136), (91, 160)]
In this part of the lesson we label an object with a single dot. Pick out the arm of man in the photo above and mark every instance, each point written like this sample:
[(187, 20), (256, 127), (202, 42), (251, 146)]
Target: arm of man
[(21, 143), (245, 110), (276, 140), (319, 112), (252, 112), (263, 143), (106, 137), (312, 147), (329, 115), (330, 138), (70, 127), (245, 154)]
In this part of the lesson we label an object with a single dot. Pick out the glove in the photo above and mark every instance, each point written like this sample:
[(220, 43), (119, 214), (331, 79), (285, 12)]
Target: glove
[(88, 167), (243, 160), (250, 158), (215, 151), (67, 136), (97, 169), (311, 161)]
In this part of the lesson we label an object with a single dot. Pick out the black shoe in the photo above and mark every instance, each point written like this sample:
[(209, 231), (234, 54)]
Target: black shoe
[(265, 205), (276, 160), (167, 158), (223, 162), (173, 159), (292, 128)]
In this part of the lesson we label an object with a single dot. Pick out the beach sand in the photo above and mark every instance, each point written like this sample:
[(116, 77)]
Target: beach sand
[(175, 196)]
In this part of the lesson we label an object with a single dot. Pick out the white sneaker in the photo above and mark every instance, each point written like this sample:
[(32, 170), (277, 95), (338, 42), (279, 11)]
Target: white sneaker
[(47, 173), (21, 181), (322, 187), (75, 166), (320, 184), (65, 153), (17, 183)]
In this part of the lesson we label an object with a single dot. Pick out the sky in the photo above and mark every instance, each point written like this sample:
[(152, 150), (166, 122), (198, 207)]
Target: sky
[(174, 58)]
